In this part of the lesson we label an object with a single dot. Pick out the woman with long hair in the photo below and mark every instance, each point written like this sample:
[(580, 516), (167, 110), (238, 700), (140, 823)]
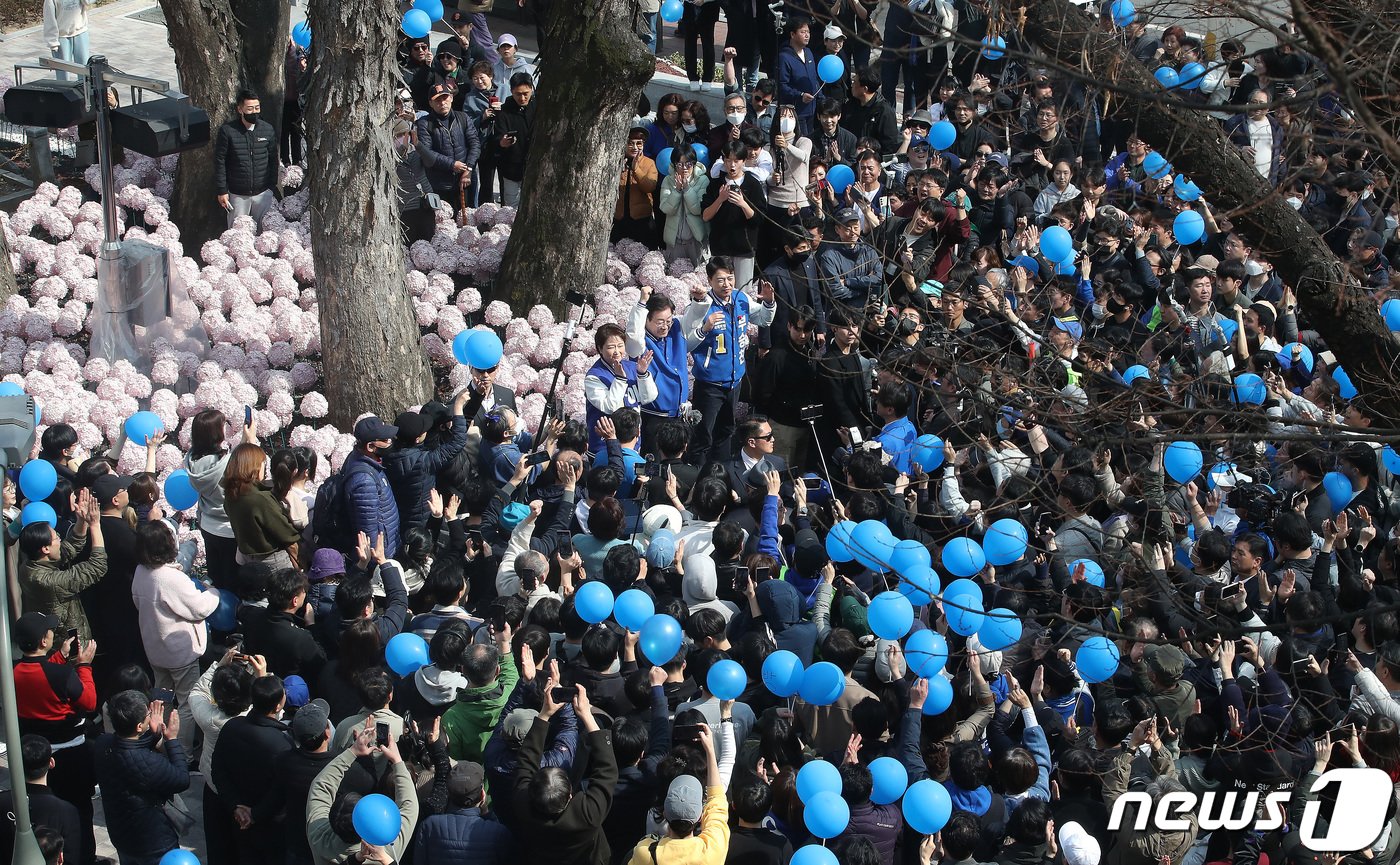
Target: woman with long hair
[(206, 461), (263, 530)]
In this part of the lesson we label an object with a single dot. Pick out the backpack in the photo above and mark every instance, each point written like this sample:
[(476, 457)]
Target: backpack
[(331, 525)]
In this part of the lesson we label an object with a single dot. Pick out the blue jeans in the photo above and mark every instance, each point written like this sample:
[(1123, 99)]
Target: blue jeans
[(74, 49), (653, 20)]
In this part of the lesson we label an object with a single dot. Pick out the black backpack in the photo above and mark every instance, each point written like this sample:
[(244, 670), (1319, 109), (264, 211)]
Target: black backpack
[(331, 525)]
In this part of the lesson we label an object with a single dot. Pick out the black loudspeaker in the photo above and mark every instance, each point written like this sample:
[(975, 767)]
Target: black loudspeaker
[(16, 430), (47, 102), (153, 128)]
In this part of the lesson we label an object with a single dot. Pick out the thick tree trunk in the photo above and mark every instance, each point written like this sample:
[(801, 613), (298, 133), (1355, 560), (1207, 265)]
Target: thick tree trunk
[(263, 26), (1196, 146), (589, 84), (208, 53), (369, 338), (8, 286)]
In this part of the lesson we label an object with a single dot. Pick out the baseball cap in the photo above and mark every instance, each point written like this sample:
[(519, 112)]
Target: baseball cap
[(439, 90), (435, 411), (372, 429), (106, 487), (1073, 328), (999, 158), (846, 214), (512, 515), (1169, 662), (661, 550), (31, 628), (465, 782), (931, 287), (685, 800), (1372, 238), (298, 692), (310, 722), (325, 562), (518, 723), (1079, 847), (833, 32), (412, 424), (507, 39), (1030, 264), (918, 141), (1208, 263)]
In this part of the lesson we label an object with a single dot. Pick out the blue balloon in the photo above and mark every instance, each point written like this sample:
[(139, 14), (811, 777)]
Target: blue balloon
[(817, 776), (1162, 171), (826, 815), (485, 350), (783, 673), (940, 695), (1097, 659), (416, 24), (632, 609), (726, 680), (1056, 244), (1001, 629), (225, 617), (822, 684), (1390, 310), (928, 452), (964, 614), (813, 854), (1228, 327), (702, 153), (377, 820), (37, 480), (927, 806), (993, 47), (890, 615), (840, 176), (831, 68), (1348, 390), (433, 8), (1183, 461), (1153, 163), (1390, 459), (1339, 490), (1185, 189), (963, 557), (180, 491), (671, 11), (919, 585), (1093, 571), (888, 779), (926, 652), (179, 856), (838, 543), (1135, 372), (1191, 75), (1123, 12), (660, 638), (942, 135), (405, 653), (459, 345), (38, 512), (872, 544), (1166, 76), (971, 588), (1005, 542), (301, 34), (1064, 268), (593, 601), (142, 426), (1305, 356), (1188, 227), (663, 161), (909, 555), (1249, 389)]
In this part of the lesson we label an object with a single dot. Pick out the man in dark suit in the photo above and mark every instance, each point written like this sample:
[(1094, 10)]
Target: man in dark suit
[(796, 283), (45, 809), (667, 445), (755, 457)]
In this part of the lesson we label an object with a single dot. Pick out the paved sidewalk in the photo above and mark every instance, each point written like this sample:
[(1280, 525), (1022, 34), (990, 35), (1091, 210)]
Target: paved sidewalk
[(135, 45)]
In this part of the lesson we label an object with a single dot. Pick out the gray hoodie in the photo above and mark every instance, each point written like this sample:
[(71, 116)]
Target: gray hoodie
[(205, 474), (700, 585)]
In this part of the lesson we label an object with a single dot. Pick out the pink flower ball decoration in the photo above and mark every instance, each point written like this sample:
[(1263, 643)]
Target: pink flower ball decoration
[(485, 215), (423, 256), (618, 273), (450, 322), (304, 376), (139, 387), (439, 353), (517, 328), (269, 422), (539, 316), (416, 282), (525, 378), (188, 407), (630, 251), (576, 363), (497, 313), (89, 436), (293, 176), (281, 355), (681, 267), (436, 296)]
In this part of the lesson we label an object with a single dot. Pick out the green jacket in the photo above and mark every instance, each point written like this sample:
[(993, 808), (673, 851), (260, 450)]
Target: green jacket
[(53, 587), (328, 848), (470, 722)]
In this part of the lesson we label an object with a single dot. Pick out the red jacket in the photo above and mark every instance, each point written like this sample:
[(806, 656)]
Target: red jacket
[(53, 696)]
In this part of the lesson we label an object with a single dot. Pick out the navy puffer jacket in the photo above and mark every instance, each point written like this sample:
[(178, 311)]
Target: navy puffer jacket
[(444, 140), (135, 780), (464, 837), (371, 501), (412, 471)]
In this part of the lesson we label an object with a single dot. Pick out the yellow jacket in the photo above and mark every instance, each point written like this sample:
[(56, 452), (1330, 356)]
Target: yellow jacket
[(710, 847)]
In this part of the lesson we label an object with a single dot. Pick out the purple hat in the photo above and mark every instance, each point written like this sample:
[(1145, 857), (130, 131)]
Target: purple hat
[(326, 562)]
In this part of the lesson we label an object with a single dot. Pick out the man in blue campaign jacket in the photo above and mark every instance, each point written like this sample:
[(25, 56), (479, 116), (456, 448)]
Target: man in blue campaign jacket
[(716, 327), (651, 328), (614, 382)]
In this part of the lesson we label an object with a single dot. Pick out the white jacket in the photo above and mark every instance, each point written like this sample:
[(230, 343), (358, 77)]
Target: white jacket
[(64, 18)]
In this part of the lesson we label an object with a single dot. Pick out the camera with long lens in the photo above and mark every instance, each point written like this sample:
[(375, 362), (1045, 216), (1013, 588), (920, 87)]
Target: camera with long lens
[(1256, 504)]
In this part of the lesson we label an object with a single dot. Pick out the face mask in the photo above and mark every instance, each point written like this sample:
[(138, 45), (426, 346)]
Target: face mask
[(797, 259), (735, 119), (1295, 203), (983, 109), (1099, 310), (787, 125), (1391, 223), (689, 128), (1253, 268), (1115, 307), (251, 117)]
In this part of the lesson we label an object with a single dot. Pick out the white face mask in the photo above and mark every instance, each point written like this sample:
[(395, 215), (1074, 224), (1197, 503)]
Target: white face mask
[(1100, 311), (735, 119), (1295, 203), (1391, 223), (787, 124), (983, 109), (689, 127)]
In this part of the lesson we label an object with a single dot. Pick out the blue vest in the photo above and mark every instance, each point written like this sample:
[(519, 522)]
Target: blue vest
[(602, 373), (670, 372), (719, 358)]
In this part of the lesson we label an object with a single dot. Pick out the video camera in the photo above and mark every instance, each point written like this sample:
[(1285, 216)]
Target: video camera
[(1257, 504)]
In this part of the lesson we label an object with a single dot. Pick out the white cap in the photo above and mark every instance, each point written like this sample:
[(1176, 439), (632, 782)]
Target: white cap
[(833, 32), (1078, 846)]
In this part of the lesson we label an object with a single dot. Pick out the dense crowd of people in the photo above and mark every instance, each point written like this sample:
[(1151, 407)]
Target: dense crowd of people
[(881, 339)]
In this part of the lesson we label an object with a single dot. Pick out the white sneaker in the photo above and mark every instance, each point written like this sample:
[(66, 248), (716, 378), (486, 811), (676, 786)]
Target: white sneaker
[(695, 86)]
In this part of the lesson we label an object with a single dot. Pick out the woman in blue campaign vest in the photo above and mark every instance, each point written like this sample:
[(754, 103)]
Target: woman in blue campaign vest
[(615, 382), (652, 327)]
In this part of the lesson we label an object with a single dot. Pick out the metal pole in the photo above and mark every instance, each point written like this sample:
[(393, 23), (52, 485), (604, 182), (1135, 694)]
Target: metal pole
[(97, 65), (26, 845)]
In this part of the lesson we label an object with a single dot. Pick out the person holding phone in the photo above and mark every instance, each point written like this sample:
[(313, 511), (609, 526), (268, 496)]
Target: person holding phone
[(515, 127)]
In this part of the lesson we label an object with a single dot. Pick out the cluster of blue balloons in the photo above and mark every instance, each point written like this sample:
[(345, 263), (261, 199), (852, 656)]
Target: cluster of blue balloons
[(831, 68), (962, 605), (405, 653), (665, 157), (377, 819), (1190, 76), (823, 683), (416, 24), (819, 787), (478, 349), (1183, 461)]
